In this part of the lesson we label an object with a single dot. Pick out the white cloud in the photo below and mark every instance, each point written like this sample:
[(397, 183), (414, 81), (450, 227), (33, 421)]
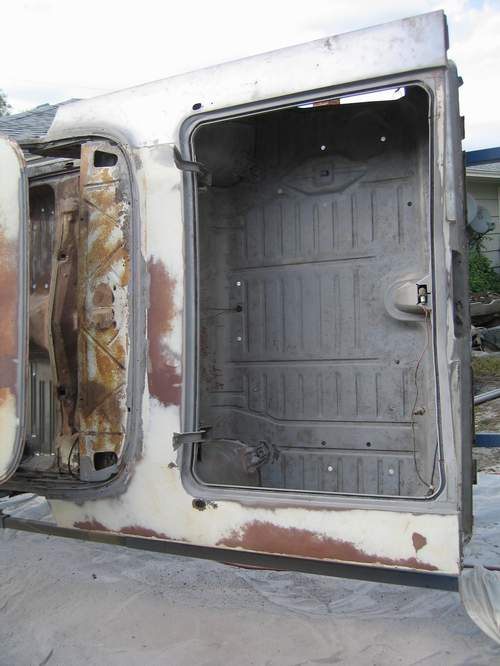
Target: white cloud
[(57, 49)]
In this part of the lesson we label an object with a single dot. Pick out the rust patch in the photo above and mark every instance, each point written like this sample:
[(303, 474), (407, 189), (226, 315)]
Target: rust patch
[(163, 377), (104, 272), (419, 541), (137, 530), (9, 305), (131, 530), (5, 394), (103, 296), (92, 525), (268, 538)]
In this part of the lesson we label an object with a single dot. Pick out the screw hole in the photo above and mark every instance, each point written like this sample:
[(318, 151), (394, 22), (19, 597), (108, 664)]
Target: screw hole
[(196, 106), (368, 444), (410, 203)]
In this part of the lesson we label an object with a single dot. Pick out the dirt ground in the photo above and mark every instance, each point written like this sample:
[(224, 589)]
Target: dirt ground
[(65, 602)]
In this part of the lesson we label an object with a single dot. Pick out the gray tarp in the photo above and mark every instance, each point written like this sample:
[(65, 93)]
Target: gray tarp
[(480, 592)]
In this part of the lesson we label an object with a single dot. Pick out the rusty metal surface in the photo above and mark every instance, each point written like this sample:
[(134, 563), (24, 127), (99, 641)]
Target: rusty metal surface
[(157, 502), (163, 374), (64, 322), (54, 208), (269, 538), (12, 347), (103, 279)]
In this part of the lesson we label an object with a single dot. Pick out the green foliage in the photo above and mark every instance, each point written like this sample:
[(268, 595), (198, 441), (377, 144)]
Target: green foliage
[(4, 105), (486, 366), (482, 276)]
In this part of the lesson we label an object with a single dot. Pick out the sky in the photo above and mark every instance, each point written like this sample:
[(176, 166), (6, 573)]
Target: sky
[(53, 50)]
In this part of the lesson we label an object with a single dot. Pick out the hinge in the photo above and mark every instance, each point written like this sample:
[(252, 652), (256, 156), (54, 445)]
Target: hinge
[(197, 437)]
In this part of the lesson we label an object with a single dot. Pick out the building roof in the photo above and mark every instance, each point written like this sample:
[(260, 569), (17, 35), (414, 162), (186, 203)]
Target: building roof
[(30, 124), (493, 167), (474, 158), (487, 171), (483, 164)]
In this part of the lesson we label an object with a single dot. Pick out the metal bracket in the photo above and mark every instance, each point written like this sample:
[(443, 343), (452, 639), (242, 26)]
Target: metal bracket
[(197, 437), (193, 167)]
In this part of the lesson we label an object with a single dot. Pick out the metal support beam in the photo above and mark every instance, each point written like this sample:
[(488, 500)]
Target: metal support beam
[(487, 396), (242, 558)]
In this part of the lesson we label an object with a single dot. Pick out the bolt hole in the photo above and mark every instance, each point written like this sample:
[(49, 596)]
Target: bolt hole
[(62, 256), (196, 106), (323, 443), (368, 444), (410, 203)]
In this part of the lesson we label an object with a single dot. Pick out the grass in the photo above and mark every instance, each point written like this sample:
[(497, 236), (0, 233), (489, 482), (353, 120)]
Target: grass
[(486, 366)]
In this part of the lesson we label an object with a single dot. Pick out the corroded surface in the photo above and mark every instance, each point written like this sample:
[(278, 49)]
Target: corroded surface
[(156, 499), (11, 353), (163, 374), (265, 537), (103, 279)]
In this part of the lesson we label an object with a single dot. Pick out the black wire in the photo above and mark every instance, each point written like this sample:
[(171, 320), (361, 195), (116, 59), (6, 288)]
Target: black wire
[(417, 367), (434, 464), (69, 459)]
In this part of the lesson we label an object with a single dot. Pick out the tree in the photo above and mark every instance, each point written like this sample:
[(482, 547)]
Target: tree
[(5, 107)]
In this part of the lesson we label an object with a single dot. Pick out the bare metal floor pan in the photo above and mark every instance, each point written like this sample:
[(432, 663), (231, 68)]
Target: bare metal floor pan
[(311, 217)]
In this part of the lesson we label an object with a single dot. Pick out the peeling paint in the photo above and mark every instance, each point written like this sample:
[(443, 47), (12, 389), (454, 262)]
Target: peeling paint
[(163, 370), (269, 538), (103, 345), (409, 535), (11, 221), (419, 541)]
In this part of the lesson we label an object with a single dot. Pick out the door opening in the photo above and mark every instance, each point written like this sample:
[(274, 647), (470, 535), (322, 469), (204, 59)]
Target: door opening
[(79, 273), (315, 302)]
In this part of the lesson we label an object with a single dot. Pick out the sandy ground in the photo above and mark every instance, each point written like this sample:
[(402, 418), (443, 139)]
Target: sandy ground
[(65, 602)]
